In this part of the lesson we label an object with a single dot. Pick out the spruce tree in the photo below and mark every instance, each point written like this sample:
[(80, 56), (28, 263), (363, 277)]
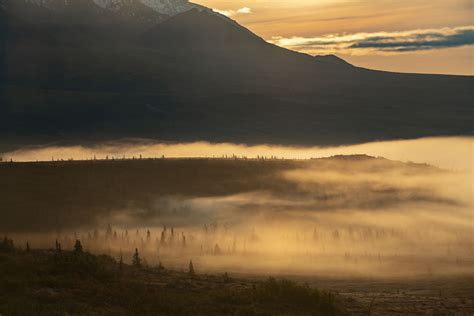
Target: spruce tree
[(217, 250), (58, 247), (191, 268), (136, 259), (78, 247), (163, 238), (109, 231)]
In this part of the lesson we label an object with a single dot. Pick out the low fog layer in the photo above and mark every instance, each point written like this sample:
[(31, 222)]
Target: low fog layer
[(445, 152), (346, 215)]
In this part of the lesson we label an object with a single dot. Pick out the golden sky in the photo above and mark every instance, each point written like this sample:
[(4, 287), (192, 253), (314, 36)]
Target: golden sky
[(425, 36)]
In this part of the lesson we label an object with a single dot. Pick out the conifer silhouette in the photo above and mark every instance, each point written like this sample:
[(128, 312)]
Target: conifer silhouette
[(137, 262), (109, 231), (191, 268), (217, 250), (78, 247), (58, 247)]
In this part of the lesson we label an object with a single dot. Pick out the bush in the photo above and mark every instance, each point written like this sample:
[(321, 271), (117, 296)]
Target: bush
[(6, 245), (83, 264)]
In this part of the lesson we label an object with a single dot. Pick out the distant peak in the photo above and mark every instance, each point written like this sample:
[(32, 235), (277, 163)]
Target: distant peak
[(331, 59), (167, 7)]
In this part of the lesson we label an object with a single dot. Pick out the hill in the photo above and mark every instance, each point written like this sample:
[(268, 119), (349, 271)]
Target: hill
[(51, 282), (70, 194)]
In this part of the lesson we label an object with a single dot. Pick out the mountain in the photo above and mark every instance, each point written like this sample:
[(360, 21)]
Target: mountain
[(163, 7), (87, 72)]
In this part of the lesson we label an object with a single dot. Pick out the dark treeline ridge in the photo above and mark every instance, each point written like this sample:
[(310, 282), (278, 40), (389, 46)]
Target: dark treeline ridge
[(67, 193), (47, 196), (58, 281)]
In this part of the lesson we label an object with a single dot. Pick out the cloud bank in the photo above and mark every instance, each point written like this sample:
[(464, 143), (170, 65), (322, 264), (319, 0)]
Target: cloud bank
[(381, 42), (423, 150), (346, 216), (228, 13)]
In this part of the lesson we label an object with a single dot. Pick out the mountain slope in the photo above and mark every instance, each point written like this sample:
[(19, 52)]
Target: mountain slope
[(87, 74)]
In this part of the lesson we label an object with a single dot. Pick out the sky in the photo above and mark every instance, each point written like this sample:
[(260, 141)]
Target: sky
[(422, 36)]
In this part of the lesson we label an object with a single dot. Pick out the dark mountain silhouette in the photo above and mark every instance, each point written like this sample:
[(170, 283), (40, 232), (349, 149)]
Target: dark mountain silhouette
[(83, 74)]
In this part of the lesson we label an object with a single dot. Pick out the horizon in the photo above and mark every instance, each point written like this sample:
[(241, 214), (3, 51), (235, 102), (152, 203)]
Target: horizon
[(418, 151)]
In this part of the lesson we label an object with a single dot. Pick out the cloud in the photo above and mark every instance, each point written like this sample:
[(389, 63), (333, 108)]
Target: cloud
[(228, 13), (244, 10), (380, 42)]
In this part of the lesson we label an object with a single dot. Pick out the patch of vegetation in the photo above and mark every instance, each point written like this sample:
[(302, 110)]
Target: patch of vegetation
[(58, 282)]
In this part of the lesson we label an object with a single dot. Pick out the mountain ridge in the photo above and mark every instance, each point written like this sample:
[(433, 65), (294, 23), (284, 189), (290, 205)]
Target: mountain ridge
[(167, 7), (87, 74)]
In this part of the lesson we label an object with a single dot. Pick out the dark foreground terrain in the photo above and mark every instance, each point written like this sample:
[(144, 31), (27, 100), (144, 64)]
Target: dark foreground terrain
[(370, 265), (55, 282), (51, 282), (412, 296)]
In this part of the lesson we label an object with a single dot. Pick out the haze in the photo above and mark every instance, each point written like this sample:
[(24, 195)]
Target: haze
[(423, 150)]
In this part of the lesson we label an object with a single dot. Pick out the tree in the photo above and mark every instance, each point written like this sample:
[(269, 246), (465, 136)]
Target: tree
[(109, 231), (163, 237), (136, 261), (78, 247), (217, 250), (7, 245), (191, 268), (58, 247), (183, 240), (225, 277), (27, 247)]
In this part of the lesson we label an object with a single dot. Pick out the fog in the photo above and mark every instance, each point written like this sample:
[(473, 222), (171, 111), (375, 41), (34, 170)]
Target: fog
[(343, 216), (445, 152)]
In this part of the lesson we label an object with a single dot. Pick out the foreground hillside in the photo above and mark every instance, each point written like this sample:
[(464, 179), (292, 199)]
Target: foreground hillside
[(47, 282), (390, 238)]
